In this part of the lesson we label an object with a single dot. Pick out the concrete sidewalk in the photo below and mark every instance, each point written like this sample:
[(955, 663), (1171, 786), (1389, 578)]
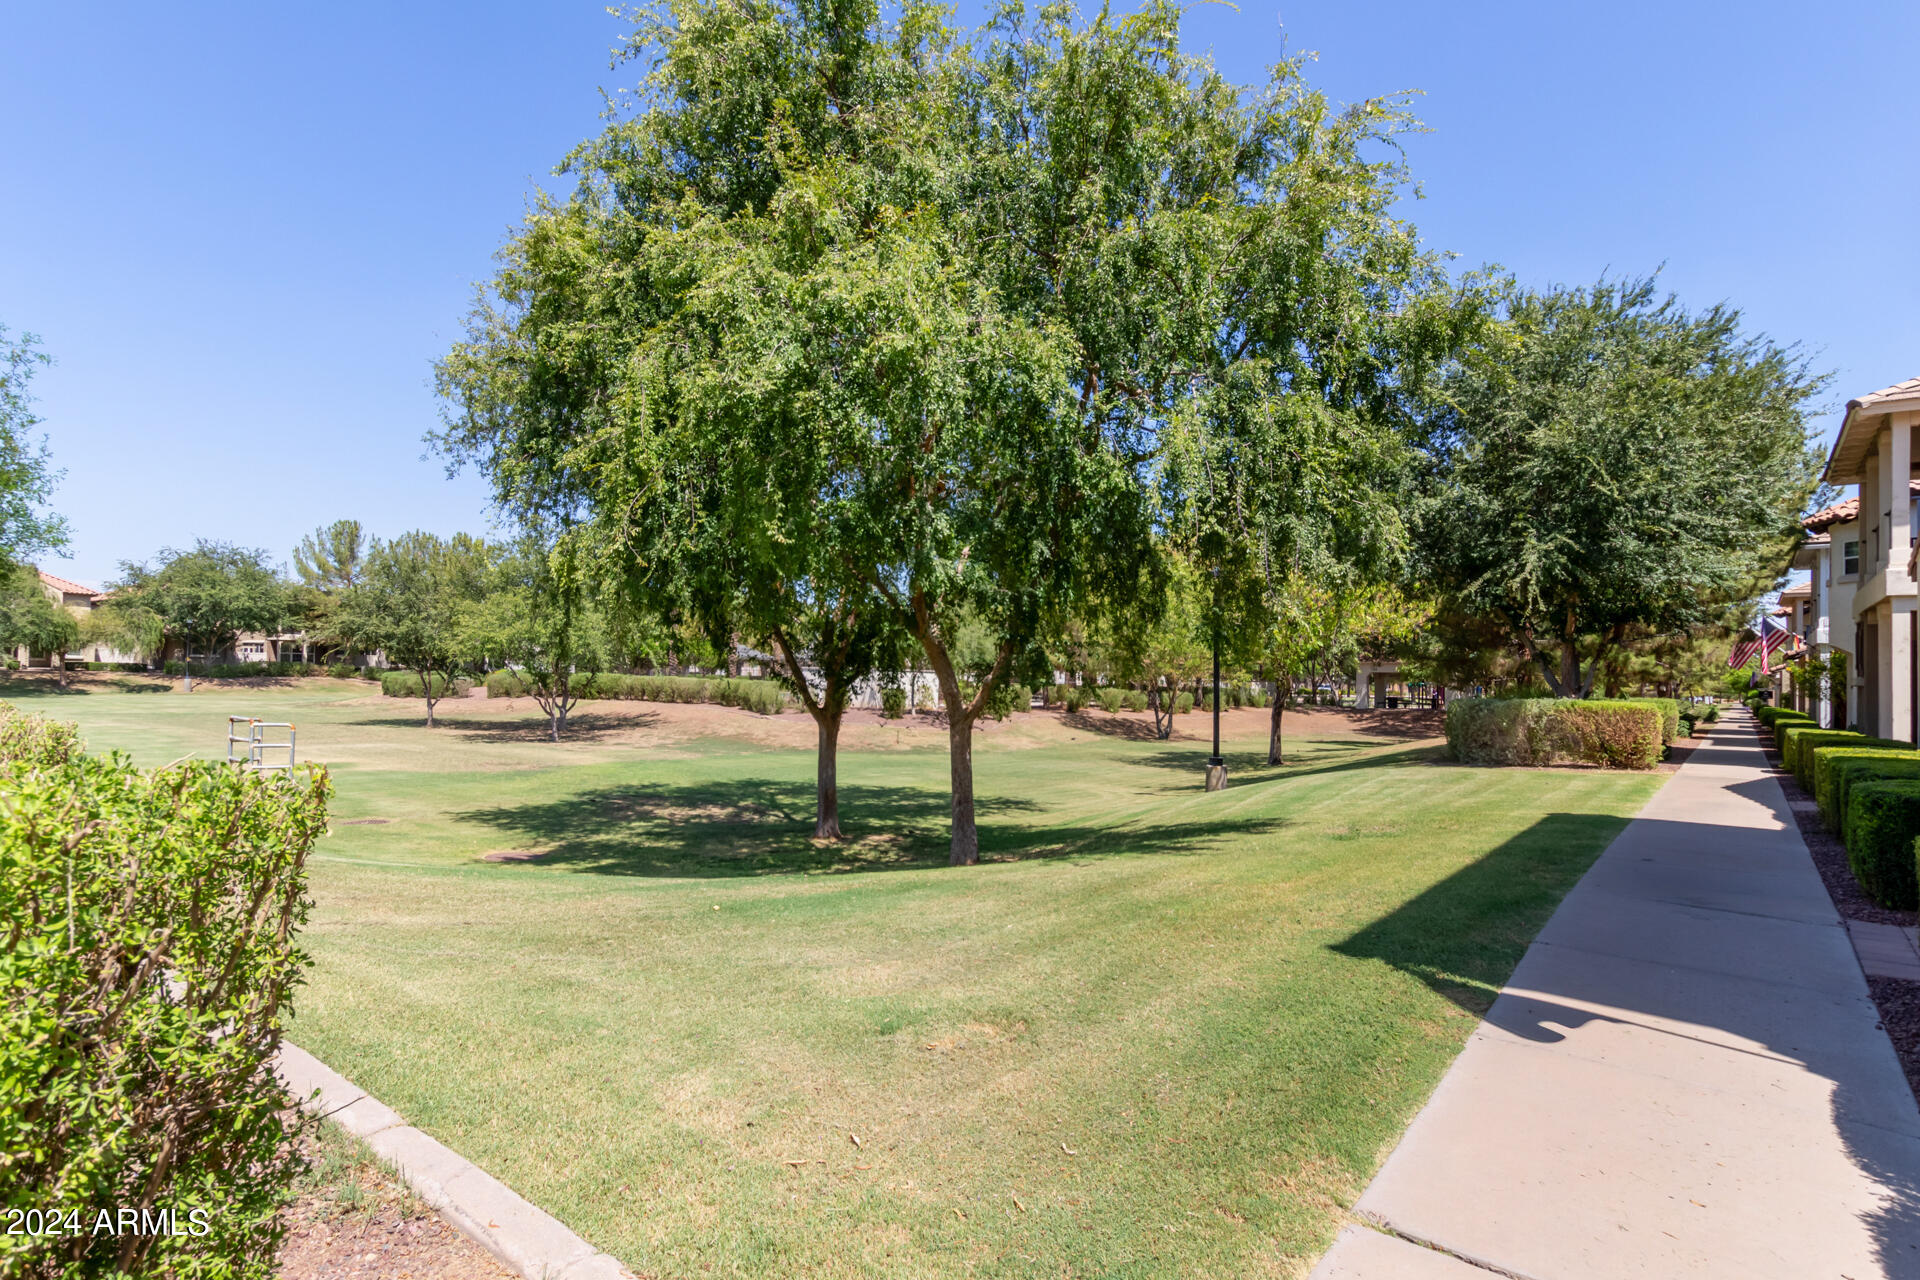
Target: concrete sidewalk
[(1685, 1077)]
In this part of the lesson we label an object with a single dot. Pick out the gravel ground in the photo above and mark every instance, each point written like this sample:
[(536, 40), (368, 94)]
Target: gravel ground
[(353, 1220), (1898, 1001)]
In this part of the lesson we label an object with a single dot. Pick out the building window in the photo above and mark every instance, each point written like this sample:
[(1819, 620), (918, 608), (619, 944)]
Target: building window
[(1850, 558)]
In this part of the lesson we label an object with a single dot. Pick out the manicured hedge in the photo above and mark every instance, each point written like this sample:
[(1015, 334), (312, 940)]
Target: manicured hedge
[(764, 696), (148, 953), (1539, 731), (1669, 709), (406, 684), (1883, 820), (1836, 770), (1800, 742), (1772, 716), (237, 670)]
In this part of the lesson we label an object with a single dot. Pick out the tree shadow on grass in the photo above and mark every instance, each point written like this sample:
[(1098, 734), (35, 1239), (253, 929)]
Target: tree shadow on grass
[(581, 728), (1248, 768), (760, 826), (1108, 725), (1464, 935)]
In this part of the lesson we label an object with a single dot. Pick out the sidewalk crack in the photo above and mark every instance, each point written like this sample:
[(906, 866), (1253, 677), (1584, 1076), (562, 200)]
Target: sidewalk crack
[(1387, 1228)]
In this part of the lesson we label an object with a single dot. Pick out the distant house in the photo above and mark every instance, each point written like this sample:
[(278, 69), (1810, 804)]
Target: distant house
[(80, 601)]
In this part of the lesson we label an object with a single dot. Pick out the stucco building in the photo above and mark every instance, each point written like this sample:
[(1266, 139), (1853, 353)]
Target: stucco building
[(1863, 578)]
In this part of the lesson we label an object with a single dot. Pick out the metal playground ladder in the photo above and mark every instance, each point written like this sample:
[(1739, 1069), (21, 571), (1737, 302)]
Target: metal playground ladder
[(255, 744)]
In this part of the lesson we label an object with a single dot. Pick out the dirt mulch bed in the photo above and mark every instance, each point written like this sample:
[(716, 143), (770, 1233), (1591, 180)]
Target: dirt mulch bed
[(354, 1220), (1897, 1001)]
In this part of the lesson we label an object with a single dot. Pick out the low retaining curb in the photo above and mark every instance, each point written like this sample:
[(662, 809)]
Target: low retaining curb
[(525, 1237)]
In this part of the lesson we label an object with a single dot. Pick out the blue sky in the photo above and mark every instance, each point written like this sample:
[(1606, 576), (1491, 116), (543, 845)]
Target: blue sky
[(244, 232)]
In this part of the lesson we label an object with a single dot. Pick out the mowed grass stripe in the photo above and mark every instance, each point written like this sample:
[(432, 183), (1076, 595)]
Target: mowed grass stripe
[(1168, 1034)]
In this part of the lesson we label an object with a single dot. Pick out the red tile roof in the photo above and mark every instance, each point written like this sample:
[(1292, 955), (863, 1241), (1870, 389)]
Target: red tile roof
[(63, 586), (1842, 511)]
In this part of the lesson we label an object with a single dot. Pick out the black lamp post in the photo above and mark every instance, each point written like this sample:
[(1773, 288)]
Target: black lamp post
[(1216, 760), (1216, 763)]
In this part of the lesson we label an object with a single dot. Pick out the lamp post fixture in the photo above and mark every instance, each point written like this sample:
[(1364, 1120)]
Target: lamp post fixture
[(1216, 763)]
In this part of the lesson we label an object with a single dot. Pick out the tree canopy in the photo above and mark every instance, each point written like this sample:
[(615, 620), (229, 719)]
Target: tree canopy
[(1610, 460), (27, 475), (408, 604), (330, 558), (204, 597), (860, 315)]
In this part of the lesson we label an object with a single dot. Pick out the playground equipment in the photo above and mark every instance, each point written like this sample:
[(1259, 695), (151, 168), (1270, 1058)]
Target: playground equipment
[(256, 745)]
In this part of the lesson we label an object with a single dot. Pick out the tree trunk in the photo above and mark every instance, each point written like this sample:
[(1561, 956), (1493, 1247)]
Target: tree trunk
[(60, 668), (1160, 702), (1280, 693), (964, 849), (826, 798)]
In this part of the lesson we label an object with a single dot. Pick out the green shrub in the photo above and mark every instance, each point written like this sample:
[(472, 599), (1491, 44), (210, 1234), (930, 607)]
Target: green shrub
[(893, 702), (114, 666), (1182, 703), (1801, 743), (1256, 696), (507, 683), (1883, 820), (148, 954), (1837, 769), (1136, 700), (1111, 700), (767, 697), (1073, 698), (1713, 713), (1538, 731), (1669, 709), (406, 684), (1612, 734), (343, 671), (1771, 716)]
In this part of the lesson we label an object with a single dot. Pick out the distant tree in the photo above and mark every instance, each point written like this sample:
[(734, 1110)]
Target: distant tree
[(27, 476), (330, 557), (1611, 461), (537, 618), (204, 597), (28, 617), (408, 605), (1157, 634)]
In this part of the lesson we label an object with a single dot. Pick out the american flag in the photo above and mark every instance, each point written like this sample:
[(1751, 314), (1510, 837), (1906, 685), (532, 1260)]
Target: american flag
[(1773, 633)]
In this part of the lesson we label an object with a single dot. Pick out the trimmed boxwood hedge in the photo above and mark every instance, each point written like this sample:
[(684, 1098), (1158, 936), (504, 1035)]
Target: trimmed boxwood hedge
[(1770, 716), (1799, 743), (1883, 820), (1848, 767)]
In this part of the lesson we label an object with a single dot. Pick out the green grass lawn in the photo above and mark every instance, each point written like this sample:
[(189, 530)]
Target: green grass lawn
[(1159, 1033)]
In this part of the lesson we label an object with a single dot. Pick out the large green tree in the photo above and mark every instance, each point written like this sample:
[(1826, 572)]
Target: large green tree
[(1608, 461), (536, 616), (408, 602), (858, 312), (203, 597), (27, 476)]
